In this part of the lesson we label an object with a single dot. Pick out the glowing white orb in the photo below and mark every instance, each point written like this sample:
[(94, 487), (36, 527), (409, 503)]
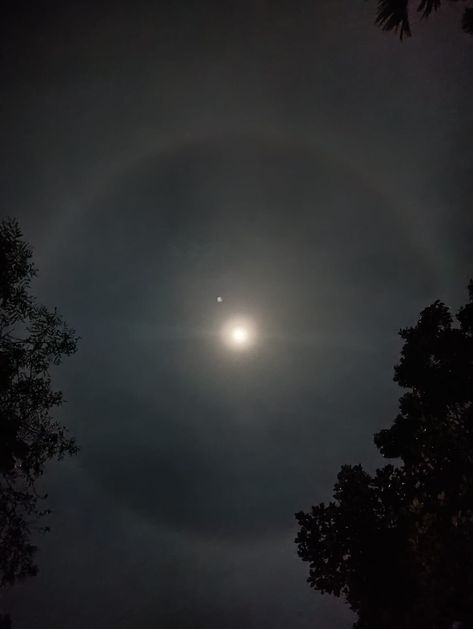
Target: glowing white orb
[(239, 334), (219, 299)]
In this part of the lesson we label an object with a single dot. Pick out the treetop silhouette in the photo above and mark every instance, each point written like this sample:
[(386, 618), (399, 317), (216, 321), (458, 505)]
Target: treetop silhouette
[(393, 15), (33, 338), (398, 545)]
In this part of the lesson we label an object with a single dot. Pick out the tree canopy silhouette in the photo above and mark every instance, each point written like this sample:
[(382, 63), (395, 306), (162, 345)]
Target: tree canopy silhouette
[(398, 545), (393, 15), (33, 339)]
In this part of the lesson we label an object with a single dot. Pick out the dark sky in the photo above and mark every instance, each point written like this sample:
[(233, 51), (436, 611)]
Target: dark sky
[(287, 155)]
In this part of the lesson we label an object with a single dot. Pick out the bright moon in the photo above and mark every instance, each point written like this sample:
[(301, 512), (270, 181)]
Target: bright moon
[(239, 334)]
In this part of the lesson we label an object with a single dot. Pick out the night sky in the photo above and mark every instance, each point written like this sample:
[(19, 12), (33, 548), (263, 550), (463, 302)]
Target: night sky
[(288, 156)]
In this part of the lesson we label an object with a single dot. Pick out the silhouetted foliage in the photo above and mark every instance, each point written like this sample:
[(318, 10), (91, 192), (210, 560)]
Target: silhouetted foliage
[(393, 15), (5, 621), (399, 545), (32, 340)]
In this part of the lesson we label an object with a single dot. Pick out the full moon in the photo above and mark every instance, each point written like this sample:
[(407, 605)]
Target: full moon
[(239, 334)]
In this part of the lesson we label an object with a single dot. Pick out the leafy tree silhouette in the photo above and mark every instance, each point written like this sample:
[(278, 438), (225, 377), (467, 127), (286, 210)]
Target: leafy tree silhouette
[(393, 15), (5, 621), (32, 340), (398, 545)]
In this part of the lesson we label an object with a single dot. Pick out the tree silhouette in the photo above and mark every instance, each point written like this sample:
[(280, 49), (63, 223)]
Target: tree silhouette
[(393, 15), (398, 545), (32, 340), (5, 621)]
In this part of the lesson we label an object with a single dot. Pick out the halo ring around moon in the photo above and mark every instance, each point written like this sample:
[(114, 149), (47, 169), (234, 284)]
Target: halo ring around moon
[(105, 179), (217, 519)]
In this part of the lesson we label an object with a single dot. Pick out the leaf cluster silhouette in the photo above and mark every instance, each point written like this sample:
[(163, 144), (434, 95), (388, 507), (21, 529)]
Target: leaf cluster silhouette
[(33, 339), (393, 15), (398, 544)]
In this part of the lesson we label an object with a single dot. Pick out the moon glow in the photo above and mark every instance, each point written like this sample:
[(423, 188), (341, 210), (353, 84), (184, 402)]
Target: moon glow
[(239, 334)]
